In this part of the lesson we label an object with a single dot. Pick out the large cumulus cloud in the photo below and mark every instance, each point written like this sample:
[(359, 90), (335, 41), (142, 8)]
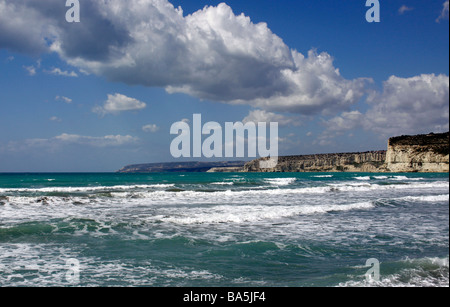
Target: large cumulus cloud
[(407, 105), (411, 105), (211, 54)]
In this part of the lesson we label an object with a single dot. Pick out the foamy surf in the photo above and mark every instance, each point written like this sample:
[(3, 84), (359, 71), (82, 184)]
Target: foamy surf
[(280, 181), (423, 272), (222, 183), (245, 214), (85, 189), (429, 198), (193, 229)]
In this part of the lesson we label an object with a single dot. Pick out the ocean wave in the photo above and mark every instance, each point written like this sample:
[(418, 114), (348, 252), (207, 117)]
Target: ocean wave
[(280, 181), (168, 231), (27, 264), (423, 272), (85, 189), (46, 265), (399, 178), (244, 214), (363, 178), (71, 226), (427, 198), (223, 183), (350, 186), (46, 200), (169, 193), (393, 178)]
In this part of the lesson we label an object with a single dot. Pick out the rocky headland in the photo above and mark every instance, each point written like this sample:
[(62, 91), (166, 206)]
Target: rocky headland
[(369, 161), (418, 153)]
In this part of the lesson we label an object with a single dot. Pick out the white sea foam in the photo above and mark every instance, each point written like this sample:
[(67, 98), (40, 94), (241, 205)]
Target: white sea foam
[(362, 178), (427, 198), (46, 265), (323, 176), (424, 272), (158, 195), (280, 181), (222, 183), (369, 186), (395, 178), (86, 189), (245, 214), (401, 178), (34, 264), (313, 216)]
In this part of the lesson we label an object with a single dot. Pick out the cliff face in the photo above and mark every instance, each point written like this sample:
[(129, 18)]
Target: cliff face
[(349, 162), (420, 153)]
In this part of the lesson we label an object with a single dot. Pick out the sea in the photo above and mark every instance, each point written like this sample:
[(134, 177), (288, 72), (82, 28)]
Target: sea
[(224, 230)]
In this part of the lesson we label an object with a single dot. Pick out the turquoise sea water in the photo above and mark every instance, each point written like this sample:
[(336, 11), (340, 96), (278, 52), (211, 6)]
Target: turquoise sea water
[(312, 229)]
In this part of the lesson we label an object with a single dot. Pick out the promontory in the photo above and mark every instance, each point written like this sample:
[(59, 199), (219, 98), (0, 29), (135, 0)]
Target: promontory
[(407, 153), (417, 153)]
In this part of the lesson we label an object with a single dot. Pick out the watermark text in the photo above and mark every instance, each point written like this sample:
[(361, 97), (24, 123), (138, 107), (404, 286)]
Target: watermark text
[(212, 141)]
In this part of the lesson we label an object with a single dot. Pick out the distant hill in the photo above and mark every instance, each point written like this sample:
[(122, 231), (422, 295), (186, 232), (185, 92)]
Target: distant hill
[(179, 167)]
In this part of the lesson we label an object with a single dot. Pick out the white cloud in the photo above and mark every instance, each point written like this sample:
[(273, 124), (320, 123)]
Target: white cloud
[(403, 9), (444, 12), (346, 121), (58, 142), (64, 99), (152, 128), (31, 70), (105, 141), (410, 105), (261, 116), (119, 103), (406, 106), (59, 72), (339, 125), (211, 54), (315, 86), (55, 119)]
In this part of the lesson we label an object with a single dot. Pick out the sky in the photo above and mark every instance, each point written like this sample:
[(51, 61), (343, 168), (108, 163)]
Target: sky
[(100, 94)]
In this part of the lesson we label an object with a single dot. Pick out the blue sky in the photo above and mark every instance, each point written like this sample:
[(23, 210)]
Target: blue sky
[(104, 93)]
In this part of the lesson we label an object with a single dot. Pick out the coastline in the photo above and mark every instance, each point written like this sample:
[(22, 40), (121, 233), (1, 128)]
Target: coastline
[(428, 153)]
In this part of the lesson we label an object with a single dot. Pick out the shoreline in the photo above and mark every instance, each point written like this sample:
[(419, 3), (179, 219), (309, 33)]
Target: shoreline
[(427, 153)]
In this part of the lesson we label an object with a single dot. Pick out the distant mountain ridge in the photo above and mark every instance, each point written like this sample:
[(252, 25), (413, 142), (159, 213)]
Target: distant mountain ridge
[(179, 167)]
